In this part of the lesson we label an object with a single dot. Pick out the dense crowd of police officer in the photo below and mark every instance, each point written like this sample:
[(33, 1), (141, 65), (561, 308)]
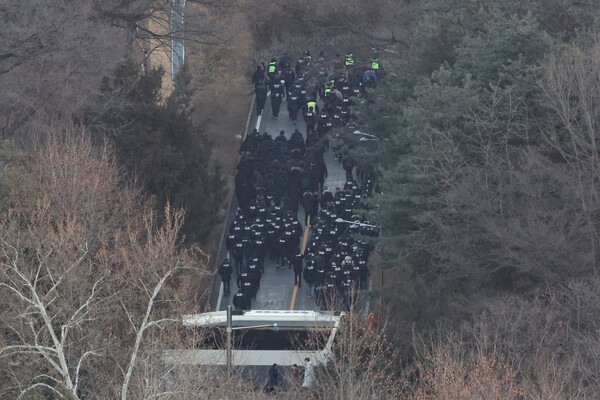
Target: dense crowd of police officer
[(275, 176)]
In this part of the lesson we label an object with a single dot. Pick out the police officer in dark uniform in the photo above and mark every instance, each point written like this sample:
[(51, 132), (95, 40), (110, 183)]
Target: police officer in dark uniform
[(297, 88), (289, 76), (307, 58), (238, 256), (291, 242), (336, 273), (277, 95), (310, 275), (324, 124), (225, 271), (281, 248), (241, 301), (319, 274), (297, 260), (261, 97), (293, 105), (260, 251), (281, 138), (315, 206), (326, 198), (308, 200), (255, 274), (259, 75), (249, 289), (271, 240), (331, 101), (230, 244), (285, 61), (297, 141), (300, 67), (310, 116), (241, 278)]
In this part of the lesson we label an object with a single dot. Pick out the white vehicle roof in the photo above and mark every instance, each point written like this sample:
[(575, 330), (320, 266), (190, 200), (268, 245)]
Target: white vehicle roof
[(283, 318), (286, 319)]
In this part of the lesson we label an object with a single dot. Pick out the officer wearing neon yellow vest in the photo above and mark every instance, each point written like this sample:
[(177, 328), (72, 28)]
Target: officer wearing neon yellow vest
[(349, 59), (310, 115), (272, 69), (375, 65)]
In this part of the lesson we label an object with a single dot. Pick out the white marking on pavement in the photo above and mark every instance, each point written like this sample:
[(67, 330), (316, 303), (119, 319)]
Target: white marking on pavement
[(220, 297), (258, 121)]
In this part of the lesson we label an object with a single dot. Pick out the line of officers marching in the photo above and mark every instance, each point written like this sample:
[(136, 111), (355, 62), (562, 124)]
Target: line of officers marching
[(302, 86), (277, 175)]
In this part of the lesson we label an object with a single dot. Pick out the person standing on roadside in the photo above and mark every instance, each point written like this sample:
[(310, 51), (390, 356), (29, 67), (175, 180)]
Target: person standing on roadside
[(296, 373), (309, 374), (274, 379)]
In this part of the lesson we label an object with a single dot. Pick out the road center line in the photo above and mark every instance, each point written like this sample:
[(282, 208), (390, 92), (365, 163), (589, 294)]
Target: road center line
[(258, 121), (294, 297), (305, 239)]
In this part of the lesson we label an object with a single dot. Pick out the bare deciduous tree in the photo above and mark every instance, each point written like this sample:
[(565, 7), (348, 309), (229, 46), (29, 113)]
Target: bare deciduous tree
[(446, 369), (571, 91), (52, 57), (84, 281), (362, 362)]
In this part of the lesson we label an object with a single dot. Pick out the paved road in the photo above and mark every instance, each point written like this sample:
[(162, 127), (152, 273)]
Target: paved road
[(276, 286), (177, 47)]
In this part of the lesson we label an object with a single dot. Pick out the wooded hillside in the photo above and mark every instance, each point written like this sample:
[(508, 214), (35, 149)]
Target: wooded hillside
[(487, 163)]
